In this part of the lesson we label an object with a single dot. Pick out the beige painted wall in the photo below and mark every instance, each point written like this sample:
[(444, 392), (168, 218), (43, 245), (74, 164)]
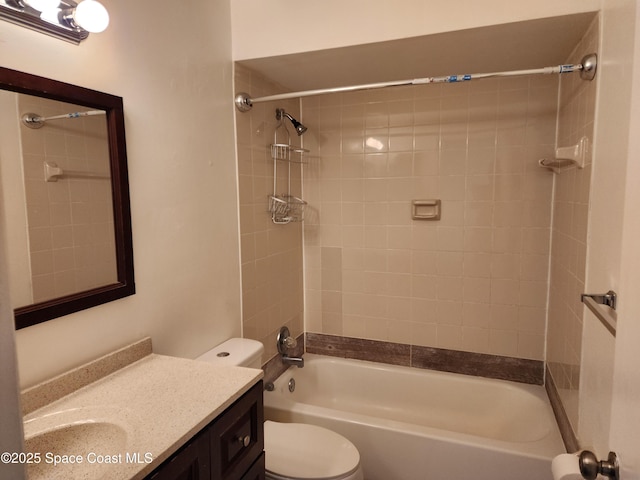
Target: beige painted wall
[(624, 434), (610, 384), (262, 29), (178, 107)]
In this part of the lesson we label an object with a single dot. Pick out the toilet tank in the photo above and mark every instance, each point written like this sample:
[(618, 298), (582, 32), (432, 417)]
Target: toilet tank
[(240, 352)]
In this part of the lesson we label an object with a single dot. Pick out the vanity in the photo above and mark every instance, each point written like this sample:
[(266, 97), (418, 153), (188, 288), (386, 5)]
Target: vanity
[(136, 415)]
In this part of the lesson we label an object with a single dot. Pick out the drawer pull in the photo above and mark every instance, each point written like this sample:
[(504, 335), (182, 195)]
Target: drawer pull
[(245, 441)]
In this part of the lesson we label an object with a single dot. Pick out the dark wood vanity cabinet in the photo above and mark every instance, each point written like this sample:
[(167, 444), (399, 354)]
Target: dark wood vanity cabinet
[(237, 437), (191, 462), (229, 448)]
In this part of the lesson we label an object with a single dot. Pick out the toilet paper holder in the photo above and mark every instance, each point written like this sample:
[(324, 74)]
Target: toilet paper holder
[(590, 467)]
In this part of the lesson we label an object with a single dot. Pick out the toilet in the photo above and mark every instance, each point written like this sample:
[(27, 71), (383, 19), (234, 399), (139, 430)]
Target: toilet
[(293, 451)]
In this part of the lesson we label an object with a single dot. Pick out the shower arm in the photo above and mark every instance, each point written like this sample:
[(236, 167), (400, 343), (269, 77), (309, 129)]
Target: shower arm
[(299, 127), (587, 69)]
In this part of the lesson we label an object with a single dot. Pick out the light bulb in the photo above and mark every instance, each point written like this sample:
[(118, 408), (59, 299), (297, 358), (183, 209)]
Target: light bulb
[(51, 16), (91, 15), (43, 5)]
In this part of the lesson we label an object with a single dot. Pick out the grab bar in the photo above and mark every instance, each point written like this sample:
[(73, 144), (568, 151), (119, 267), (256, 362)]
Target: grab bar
[(610, 299), (603, 307), (52, 172)]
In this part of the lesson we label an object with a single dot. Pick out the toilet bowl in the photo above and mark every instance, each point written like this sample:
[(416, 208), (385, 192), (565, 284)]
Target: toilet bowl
[(296, 451), (293, 451)]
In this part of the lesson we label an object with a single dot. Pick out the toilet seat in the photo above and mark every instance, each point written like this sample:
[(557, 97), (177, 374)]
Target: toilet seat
[(307, 452)]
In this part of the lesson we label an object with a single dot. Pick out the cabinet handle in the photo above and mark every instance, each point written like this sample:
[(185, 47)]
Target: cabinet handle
[(245, 441)]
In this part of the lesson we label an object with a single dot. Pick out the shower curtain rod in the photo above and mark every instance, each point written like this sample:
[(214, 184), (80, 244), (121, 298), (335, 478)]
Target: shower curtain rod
[(33, 120), (587, 69)]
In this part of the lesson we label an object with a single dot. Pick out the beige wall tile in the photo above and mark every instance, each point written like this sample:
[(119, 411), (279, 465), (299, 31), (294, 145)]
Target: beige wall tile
[(569, 236), (483, 266), (271, 254), (457, 283), (68, 219)]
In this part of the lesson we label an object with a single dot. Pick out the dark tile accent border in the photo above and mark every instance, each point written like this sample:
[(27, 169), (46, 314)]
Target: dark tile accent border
[(454, 361), (358, 348), (566, 431), (478, 364), (274, 366)]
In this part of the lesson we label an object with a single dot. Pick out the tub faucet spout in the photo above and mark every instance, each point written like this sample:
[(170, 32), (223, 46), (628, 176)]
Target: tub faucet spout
[(297, 361)]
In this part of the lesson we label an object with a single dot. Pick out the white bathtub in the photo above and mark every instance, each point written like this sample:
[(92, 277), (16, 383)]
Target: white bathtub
[(415, 424)]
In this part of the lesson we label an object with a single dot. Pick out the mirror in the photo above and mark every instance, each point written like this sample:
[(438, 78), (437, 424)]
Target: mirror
[(65, 193)]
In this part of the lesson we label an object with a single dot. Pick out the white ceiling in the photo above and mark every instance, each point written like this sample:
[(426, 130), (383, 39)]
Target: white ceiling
[(513, 46)]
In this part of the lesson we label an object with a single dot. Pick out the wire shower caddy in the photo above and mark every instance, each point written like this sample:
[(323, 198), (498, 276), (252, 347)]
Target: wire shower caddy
[(285, 207)]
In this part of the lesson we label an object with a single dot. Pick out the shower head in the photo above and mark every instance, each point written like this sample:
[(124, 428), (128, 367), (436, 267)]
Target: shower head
[(300, 128)]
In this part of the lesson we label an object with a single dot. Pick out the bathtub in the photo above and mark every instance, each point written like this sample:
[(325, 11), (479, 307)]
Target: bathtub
[(415, 424)]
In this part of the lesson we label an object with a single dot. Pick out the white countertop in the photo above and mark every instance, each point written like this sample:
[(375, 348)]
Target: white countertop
[(160, 401)]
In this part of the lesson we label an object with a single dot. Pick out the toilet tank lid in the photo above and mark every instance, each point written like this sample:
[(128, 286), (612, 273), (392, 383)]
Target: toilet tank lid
[(235, 351)]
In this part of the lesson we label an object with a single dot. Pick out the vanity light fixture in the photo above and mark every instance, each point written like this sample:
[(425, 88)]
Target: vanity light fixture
[(42, 5), (63, 19)]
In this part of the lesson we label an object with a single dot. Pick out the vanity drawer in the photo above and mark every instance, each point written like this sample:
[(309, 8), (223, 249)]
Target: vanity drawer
[(237, 437)]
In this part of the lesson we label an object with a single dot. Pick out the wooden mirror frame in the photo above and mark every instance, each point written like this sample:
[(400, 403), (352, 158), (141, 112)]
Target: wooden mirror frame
[(25, 83)]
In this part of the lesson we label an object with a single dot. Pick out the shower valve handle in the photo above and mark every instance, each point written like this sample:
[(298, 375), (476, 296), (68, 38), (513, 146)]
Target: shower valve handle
[(285, 341)]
